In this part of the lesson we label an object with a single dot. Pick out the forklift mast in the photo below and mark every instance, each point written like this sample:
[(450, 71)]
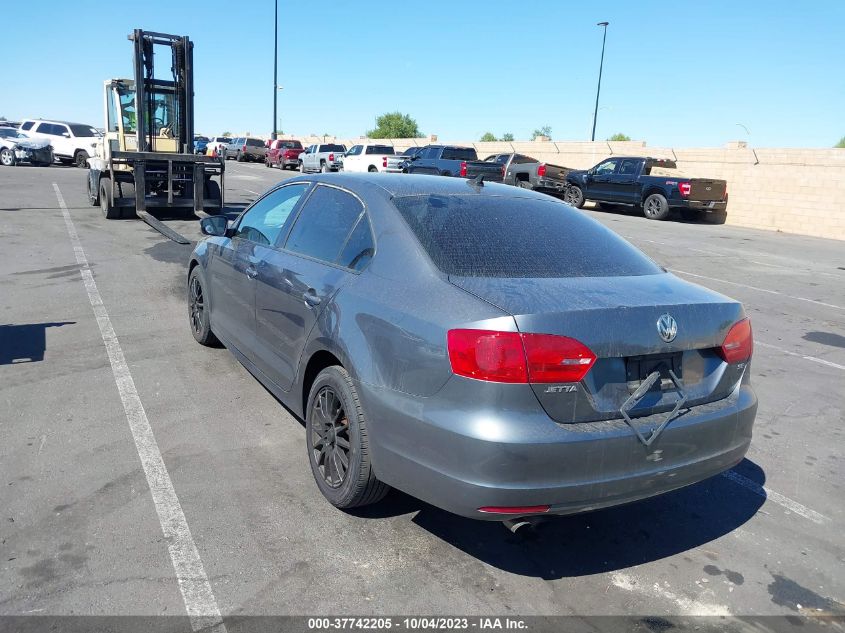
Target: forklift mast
[(178, 91)]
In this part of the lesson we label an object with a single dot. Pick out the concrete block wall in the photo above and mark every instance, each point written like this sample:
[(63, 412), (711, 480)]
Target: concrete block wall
[(781, 189)]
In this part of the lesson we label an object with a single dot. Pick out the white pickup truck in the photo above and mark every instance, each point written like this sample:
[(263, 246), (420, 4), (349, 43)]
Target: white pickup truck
[(324, 157), (372, 157)]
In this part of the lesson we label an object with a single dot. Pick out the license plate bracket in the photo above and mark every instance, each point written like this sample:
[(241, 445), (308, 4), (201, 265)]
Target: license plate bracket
[(639, 368)]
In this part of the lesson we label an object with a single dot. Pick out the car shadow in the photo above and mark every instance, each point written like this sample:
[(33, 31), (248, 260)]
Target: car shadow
[(25, 343), (596, 542)]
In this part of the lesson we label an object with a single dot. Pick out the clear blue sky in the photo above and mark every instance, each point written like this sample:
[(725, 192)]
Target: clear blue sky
[(676, 73)]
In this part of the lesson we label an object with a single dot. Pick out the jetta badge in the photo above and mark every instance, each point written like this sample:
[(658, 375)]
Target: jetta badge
[(667, 328)]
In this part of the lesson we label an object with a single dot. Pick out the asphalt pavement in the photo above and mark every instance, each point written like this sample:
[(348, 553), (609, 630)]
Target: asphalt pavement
[(80, 530)]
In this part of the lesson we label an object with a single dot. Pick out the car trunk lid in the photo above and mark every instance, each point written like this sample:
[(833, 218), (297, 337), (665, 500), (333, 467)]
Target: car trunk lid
[(617, 318)]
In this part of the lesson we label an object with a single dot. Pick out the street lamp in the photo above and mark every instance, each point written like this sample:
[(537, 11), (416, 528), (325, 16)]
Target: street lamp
[(598, 90), (275, 68)]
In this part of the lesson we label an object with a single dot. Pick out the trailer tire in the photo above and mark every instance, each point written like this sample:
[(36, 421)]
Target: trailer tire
[(656, 207), (109, 212)]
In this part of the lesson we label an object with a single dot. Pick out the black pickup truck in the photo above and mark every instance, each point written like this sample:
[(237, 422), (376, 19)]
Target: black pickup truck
[(529, 173), (647, 183), (450, 160)]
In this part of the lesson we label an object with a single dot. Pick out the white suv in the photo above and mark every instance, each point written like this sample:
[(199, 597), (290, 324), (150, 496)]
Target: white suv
[(371, 157), (72, 142)]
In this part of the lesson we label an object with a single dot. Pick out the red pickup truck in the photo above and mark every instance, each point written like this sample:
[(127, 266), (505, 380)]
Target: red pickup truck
[(283, 153)]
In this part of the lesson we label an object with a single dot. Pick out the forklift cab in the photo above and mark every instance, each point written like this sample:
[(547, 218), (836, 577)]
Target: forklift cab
[(122, 119)]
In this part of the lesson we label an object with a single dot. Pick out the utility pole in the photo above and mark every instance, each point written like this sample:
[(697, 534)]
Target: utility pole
[(598, 90), (275, 69)]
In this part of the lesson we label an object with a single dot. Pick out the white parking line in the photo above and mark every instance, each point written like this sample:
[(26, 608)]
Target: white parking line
[(196, 591), (772, 292), (771, 495), (812, 359)]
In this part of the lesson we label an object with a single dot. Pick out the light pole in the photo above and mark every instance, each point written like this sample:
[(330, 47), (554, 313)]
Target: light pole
[(275, 68), (598, 89)]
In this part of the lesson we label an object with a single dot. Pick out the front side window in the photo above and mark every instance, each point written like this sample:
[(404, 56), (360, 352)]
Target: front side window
[(324, 224), (268, 218), (354, 150), (606, 168)]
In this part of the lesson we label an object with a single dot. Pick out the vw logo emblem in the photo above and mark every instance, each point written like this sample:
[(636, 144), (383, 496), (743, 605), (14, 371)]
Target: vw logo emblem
[(667, 328)]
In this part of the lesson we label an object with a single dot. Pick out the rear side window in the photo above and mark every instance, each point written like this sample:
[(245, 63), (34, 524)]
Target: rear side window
[(459, 153), (324, 223), (487, 236), (359, 247), (87, 131), (27, 125), (380, 149)]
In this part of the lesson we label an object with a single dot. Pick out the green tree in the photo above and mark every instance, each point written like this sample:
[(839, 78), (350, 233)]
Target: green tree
[(488, 137), (227, 134), (507, 136), (395, 125), (619, 137), (841, 142), (546, 130)]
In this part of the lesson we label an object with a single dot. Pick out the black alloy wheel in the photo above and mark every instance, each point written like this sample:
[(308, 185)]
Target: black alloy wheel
[(329, 438)]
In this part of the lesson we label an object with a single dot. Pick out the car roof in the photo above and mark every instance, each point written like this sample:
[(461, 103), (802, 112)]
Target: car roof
[(399, 185), (57, 121)]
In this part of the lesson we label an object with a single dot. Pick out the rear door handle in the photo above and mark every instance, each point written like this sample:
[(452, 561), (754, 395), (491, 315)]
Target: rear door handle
[(251, 271), (311, 298)]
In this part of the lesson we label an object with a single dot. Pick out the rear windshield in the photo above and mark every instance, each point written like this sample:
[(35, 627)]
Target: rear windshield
[(459, 153), (379, 149), (332, 148), (83, 130), (255, 142), (486, 236), (291, 145)]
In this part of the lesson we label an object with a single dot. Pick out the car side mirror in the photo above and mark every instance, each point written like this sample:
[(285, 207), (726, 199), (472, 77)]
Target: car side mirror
[(66, 134), (415, 157), (216, 226)]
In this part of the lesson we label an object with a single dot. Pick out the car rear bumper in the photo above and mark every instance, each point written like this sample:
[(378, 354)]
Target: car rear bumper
[(700, 205), (465, 458), (546, 184)]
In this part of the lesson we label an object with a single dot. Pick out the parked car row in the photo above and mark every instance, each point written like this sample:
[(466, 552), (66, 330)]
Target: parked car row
[(42, 142)]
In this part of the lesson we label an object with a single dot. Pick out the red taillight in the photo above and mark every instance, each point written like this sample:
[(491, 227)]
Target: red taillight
[(556, 358), (514, 509), (503, 172), (684, 189), (331, 158), (384, 161), (518, 358), (739, 343), (244, 148), (487, 355), (541, 170), (463, 169)]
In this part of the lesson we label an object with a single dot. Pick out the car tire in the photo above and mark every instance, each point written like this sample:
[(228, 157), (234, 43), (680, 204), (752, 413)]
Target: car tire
[(80, 159), (574, 196), (7, 157), (109, 212), (656, 207), (333, 418), (198, 315), (324, 169), (301, 167), (267, 162), (524, 184), (372, 169), (239, 157)]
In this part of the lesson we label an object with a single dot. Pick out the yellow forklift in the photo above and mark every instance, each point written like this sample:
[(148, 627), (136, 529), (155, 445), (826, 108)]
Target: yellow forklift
[(146, 157)]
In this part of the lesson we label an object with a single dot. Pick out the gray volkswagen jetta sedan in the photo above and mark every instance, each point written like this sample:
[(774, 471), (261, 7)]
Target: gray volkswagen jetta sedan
[(487, 349)]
